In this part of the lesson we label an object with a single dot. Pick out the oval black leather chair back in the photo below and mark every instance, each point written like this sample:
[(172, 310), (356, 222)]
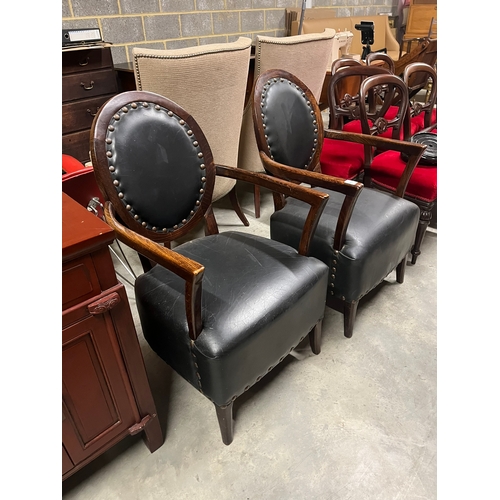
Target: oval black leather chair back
[(290, 124), (152, 161)]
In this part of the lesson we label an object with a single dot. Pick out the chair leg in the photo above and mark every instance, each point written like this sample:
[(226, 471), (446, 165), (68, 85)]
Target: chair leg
[(400, 271), (237, 207), (210, 223), (146, 263), (423, 223), (350, 309), (315, 338), (256, 200), (225, 418)]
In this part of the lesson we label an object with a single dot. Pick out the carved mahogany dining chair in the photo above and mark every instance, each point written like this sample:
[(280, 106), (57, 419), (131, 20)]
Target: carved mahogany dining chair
[(340, 158), (222, 310), (381, 60), (384, 171), (363, 234), (418, 76)]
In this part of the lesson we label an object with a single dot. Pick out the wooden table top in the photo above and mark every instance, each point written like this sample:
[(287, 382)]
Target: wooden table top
[(82, 231)]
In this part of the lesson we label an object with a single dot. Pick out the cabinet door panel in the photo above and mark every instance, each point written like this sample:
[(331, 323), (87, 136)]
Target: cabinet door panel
[(67, 464), (98, 404)]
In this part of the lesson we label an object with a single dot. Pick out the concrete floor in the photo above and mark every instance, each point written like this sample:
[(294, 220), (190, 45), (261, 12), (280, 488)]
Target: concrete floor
[(357, 422)]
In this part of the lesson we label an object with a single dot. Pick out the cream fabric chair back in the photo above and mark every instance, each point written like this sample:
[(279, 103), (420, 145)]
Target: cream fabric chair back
[(306, 57), (210, 82)]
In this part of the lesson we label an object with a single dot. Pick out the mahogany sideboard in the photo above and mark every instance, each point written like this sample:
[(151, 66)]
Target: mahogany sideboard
[(105, 390)]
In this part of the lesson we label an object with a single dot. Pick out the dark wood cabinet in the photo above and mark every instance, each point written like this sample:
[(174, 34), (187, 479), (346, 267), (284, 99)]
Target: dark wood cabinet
[(105, 391), (88, 81)]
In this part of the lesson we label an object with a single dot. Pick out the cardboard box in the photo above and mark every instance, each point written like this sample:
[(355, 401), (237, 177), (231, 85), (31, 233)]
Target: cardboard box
[(293, 15)]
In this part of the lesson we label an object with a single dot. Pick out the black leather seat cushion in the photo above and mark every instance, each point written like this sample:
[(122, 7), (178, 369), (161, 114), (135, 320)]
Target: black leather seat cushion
[(380, 233), (256, 306)]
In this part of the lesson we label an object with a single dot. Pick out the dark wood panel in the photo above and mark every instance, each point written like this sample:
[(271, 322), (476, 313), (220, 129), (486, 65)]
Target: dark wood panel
[(79, 281), (75, 61), (90, 84), (77, 145), (97, 397), (67, 464), (79, 115), (86, 392)]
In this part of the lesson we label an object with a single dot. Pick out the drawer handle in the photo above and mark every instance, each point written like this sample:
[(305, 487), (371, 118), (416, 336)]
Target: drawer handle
[(89, 87), (84, 62), (89, 111), (104, 305)]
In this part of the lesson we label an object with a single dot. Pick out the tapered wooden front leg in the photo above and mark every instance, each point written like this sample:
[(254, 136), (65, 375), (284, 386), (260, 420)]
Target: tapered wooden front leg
[(256, 200), (315, 338), (400, 271), (225, 418), (423, 224), (210, 223), (350, 309)]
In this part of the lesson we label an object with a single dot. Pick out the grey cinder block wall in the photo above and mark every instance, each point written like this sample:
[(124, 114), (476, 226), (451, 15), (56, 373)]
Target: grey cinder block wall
[(170, 24)]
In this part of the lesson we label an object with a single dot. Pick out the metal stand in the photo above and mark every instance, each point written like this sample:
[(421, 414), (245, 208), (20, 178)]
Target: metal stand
[(126, 265), (303, 11)]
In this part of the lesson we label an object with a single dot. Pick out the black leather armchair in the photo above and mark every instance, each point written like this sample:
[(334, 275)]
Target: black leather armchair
[(361, 236), (221, 310)]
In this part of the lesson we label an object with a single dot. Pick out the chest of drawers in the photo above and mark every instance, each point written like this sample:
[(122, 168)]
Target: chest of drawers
[(88, 81)]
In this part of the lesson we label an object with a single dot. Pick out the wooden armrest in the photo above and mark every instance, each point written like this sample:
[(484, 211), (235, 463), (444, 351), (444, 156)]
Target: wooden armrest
[(351, 190), (316, 199), (412, 150), (187, 269)]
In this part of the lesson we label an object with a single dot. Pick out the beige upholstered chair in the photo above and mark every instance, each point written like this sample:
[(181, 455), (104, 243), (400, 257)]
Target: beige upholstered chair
[(306, 56), (210, 82)]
